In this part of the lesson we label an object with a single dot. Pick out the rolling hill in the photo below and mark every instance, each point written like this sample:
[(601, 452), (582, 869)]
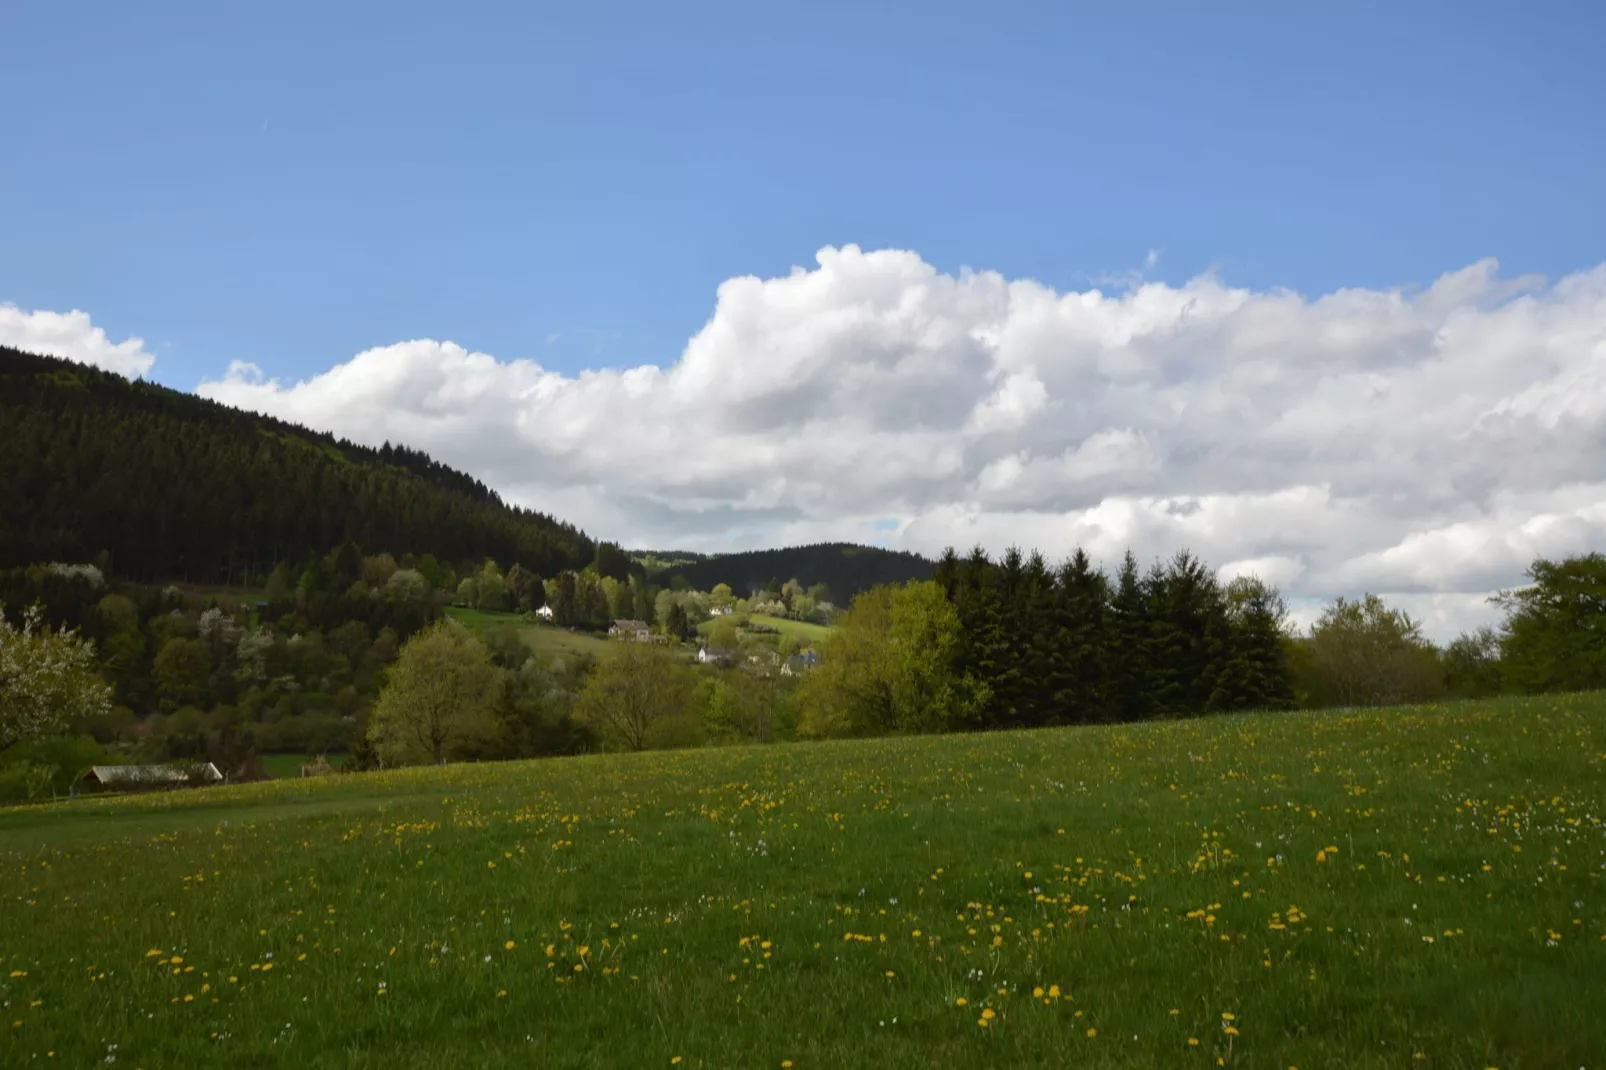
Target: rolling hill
[(171, 486)]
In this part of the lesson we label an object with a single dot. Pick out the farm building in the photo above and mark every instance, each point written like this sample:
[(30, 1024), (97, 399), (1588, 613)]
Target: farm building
[(153, 776)]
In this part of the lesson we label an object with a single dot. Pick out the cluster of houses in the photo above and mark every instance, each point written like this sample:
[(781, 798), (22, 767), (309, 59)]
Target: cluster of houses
[(762, 661)]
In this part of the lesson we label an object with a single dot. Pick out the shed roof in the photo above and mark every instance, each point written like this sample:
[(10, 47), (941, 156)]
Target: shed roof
[(152, 774)]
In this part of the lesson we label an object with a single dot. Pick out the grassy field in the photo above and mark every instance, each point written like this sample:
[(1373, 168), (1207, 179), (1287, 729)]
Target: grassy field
[(544, 639), (1409, 887), (801, 630)]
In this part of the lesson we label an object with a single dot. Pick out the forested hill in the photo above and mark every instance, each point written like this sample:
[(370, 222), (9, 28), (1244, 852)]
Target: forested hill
[(172, 486), (845, 568)]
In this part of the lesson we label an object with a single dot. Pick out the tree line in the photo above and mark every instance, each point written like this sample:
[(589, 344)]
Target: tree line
[(351, 653), (1014, 643)]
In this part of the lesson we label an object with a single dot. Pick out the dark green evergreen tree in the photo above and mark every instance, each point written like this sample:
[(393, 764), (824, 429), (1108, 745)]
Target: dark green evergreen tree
[(1128, 649), (1079, 681)]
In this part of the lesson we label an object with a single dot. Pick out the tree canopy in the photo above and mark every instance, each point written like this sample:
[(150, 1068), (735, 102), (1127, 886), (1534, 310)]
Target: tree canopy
[(47, 678), (440, 701)]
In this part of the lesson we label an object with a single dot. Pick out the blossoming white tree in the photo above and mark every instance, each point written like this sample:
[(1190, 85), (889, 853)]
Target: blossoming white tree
[(46, 678)]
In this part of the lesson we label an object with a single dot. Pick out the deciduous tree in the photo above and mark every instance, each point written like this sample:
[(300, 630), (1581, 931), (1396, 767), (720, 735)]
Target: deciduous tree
[(632, 692), (47, 679), (439, 699)]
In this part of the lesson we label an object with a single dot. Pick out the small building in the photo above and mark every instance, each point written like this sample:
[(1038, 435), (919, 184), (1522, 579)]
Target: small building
[(171, 775), (634, 630), (719, 611), (545, 613), (716, 655)]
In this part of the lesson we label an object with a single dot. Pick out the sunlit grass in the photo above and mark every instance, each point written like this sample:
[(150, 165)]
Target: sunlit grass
[(1399, 888), (545, 640), (801, 630)]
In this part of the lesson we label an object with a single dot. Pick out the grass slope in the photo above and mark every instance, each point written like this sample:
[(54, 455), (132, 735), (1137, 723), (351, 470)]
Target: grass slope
[(544, 639), (799, 629), (1408, 887)]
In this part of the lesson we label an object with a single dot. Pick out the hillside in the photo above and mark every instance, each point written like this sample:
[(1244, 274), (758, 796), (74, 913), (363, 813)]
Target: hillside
[(173, 486), (1416, 886), (845, 568)]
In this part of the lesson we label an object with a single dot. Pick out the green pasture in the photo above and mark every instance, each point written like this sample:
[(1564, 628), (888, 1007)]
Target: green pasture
[(1405, 887), (803, 631)]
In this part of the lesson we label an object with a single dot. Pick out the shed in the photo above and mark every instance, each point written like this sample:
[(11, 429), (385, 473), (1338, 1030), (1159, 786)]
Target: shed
[(175, 774)]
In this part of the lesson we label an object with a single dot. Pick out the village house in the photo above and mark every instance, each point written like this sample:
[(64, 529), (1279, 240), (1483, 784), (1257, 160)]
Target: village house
[(716, 655), (545, 613), (633, 630)]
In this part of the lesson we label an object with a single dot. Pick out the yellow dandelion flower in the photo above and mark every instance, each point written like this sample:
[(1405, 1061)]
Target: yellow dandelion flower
[(989, 1014), (1092, 1032), (509, 946)]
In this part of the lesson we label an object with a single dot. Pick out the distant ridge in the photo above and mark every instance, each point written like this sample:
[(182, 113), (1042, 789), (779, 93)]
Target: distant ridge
[(846, 568)]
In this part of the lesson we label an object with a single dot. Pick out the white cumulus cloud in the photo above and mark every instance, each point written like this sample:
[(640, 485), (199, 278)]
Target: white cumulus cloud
[(74, 336), (1423, 443)]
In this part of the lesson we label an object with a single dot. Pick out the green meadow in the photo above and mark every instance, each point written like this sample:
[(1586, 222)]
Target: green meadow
[(1420, 886), (801, 630)]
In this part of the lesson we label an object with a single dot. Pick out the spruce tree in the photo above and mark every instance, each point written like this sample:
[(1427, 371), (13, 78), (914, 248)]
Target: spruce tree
[(1079, 683), (1256, 675), (1038, 643), (1127, 647)]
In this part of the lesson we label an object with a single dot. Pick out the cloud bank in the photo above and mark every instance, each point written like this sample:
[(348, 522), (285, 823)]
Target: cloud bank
[(72, 335), (1424, 444)]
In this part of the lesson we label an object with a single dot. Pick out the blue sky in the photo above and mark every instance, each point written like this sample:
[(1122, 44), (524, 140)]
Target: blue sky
[(355, 198), (290, 183)]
